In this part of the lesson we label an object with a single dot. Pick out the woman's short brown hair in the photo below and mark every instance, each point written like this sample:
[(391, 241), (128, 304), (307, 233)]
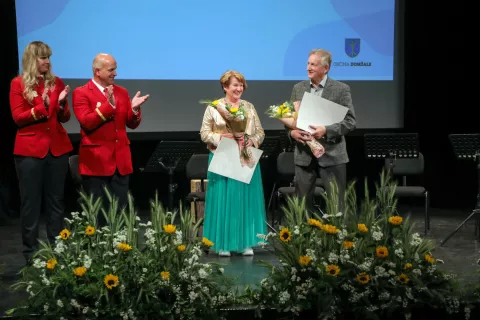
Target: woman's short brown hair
[(226, 78)]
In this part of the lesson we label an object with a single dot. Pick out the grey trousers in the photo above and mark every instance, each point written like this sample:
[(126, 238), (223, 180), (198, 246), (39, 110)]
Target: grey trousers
[(305, 178)]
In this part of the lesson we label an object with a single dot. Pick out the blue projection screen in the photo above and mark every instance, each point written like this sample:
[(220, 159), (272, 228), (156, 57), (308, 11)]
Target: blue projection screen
[(177, 50)]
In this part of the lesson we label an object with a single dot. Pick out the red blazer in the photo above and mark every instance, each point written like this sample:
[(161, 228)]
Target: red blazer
[(39, 128), (104, 145)]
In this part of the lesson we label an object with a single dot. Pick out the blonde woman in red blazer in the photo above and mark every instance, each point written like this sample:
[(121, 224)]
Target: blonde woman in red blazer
[(38, 101), (104, 111)]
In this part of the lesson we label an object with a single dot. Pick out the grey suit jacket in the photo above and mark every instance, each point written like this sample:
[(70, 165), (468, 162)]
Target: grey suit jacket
[(334, 140)]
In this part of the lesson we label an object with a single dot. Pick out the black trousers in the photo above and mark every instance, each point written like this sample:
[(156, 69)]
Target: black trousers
[(305, 178), (41, 179), (117, 185)]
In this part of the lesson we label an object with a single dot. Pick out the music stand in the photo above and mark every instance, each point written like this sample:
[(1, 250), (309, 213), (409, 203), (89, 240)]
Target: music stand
[(171, 157), (391, 146), (467, 147), (269, 147)]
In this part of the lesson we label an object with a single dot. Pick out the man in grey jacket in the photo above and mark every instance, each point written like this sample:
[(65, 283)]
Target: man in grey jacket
[(332, 164)]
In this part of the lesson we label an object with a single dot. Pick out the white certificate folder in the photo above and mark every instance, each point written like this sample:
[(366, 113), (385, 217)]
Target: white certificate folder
[(226, 161), (318, 111)]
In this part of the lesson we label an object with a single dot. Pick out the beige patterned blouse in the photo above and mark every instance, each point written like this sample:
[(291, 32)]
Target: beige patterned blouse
[(213, 125)]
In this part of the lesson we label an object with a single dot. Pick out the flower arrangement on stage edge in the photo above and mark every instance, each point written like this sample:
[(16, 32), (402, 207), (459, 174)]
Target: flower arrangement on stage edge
[(113, 272), (361, 263)]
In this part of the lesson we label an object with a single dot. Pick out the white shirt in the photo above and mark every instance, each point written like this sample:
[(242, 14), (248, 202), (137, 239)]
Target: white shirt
[(101, 90)]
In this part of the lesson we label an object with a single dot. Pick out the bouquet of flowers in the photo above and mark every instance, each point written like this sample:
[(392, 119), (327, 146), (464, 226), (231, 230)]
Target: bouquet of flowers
[(229, 112), (236, 122), (284, 111), (287, 113)]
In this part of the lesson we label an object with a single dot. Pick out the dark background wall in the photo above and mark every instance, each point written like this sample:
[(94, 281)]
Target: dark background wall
[(435, 95)]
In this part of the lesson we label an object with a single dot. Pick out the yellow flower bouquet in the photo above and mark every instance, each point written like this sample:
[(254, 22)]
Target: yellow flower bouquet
[(236, 119), (229, 112), (287, 113), (284, 111)]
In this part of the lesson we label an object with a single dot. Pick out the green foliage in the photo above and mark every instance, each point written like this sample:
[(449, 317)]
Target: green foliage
[(108, 272), (365, 262)]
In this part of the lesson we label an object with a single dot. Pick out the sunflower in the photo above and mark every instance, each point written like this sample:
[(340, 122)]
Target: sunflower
[(395, 220), (328, 228), (315, 223), (382, 252), (165, 275), (51, 264), (403, 278), (348, 244), (90, 231), (80, 271), (363, 278), (207, 242), (429, 259), (332, 270), (214, 103), (407, 266), (362, 227), (304, 260), (181, 248), (285, 235), (169, 228), (110, 281), (65, 234), (124, 247)]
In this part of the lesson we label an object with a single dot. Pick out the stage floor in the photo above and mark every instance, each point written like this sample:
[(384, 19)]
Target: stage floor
[(460, 254)]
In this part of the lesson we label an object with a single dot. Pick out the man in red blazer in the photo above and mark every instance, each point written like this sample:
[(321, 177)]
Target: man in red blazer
[(104, 110)]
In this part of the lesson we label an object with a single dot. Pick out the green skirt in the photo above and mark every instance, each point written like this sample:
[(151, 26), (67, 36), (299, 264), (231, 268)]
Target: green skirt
[(234, 211)]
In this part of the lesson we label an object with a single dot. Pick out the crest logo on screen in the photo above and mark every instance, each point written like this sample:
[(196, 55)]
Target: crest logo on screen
[(352, 47)]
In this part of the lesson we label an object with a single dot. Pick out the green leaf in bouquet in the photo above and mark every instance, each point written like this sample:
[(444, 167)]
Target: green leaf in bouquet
[(209, 102)]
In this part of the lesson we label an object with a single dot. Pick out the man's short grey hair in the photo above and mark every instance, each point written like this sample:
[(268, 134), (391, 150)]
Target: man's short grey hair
[(325, 55)]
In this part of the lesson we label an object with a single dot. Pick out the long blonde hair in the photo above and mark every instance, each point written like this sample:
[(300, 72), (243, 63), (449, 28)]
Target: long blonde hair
[(33, 51)]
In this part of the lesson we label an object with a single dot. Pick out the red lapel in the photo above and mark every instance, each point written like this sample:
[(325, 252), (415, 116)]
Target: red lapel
[(96, 92)]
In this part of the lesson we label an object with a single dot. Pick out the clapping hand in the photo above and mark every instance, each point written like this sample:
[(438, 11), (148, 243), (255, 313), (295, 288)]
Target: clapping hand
[(137, 101), (64, 94), (110, 96), (46, 98)]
